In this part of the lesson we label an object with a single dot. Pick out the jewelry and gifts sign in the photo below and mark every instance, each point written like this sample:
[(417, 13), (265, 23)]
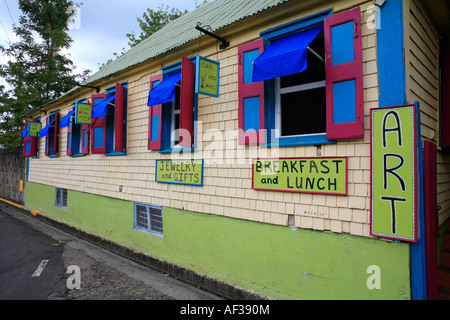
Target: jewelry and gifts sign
[(180, 171), (394, 173), (309, 175)]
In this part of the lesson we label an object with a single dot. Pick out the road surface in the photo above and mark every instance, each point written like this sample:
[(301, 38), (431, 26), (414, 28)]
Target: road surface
[(40, 262)]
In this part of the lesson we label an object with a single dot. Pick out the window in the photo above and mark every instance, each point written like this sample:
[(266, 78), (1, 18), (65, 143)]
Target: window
[(61, 198), (148, 218), (76, 141), (174, 116), (76, 134), (108, 127), (172, 108), (30, 139), (51, 134), (307, 87), (321, 100)]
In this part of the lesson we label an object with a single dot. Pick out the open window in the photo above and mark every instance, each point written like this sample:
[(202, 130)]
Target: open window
[(30, 136), (51, 134), (76, 133), (108, 122), (288, 88), (171, 108)]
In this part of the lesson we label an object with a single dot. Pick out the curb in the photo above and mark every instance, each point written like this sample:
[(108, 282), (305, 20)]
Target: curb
[(221, 288)]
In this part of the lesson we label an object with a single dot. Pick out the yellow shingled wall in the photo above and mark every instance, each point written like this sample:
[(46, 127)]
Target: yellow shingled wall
[(227, 185)]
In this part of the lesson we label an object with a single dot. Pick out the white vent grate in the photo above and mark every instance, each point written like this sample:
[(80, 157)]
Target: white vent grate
[(148, 218), (61, 198)]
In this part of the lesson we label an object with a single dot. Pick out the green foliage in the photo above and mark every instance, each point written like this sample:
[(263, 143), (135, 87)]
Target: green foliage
[(152, 21), (37, 71)]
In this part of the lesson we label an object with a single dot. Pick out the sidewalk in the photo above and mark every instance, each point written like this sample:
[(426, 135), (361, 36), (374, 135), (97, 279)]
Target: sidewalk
[(106, 275)]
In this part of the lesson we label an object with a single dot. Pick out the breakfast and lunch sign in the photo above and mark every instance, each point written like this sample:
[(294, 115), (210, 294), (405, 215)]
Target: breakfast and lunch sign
[(326, 175), (394, 190)]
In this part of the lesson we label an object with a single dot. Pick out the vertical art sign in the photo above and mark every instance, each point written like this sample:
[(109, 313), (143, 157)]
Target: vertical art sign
[(394, 173)]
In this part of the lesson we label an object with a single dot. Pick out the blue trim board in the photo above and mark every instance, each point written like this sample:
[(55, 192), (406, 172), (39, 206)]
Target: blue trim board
[(294, 26), (418, 255), (392, 86), (391, 55)]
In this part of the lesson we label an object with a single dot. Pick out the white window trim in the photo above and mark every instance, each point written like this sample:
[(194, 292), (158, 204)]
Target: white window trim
[(174, 133), (279, 91)]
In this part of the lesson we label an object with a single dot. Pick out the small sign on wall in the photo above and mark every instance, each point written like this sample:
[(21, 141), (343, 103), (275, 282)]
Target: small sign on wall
[(207, 76), (180, 171), (83, 113), (34, 128), (394, 173), (309, 175)]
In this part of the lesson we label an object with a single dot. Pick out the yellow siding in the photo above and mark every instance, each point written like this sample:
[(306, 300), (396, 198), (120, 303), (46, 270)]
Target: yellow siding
[(227, 182), (422, 84), (422, 66)]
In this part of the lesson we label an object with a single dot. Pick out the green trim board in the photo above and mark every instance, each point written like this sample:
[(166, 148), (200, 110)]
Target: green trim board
[(269, 259), (394, 187)]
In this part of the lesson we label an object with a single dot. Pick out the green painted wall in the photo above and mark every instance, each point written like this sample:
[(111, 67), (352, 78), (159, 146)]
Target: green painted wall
[(272, 260)]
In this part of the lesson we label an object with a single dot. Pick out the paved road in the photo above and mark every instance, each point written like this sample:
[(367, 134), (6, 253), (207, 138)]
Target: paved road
[(36, 263)]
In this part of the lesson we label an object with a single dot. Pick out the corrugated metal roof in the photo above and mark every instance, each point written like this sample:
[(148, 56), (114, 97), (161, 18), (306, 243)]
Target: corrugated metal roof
[(217, 14)]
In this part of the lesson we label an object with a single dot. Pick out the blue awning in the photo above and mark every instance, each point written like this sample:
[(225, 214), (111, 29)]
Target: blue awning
[(165, 91), (285, 56), (99, 111), (44, 132), (65, 120), (25, 132)]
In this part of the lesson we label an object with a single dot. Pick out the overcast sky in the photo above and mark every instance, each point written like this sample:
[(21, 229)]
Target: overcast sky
[(100, 30)]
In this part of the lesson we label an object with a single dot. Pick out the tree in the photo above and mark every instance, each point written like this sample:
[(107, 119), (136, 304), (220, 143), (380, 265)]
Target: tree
[(152, 21), (37, 70)]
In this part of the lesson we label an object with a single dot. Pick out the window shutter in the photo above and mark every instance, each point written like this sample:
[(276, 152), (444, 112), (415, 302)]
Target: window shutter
[(344, 82), (119, 119), (30, 145), (47, 139), (86, 133), (98, 127), (69, 135), (154, 119), (251, 95), (56, 134), (187, 103)]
